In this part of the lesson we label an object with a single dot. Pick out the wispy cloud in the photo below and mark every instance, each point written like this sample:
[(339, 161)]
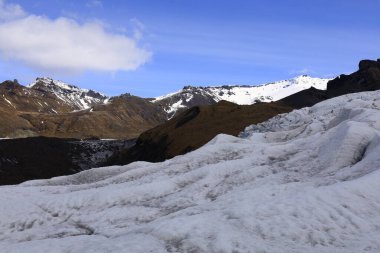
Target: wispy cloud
[(10, 11), (95, 3), (138, 28), (63, 44), (303, 71)]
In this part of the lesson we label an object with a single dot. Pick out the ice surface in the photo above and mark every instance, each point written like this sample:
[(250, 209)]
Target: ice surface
[(306, 181)]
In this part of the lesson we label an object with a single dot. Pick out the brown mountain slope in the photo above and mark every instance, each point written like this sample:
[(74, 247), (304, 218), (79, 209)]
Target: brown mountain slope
[(198, 125), (123, 117), (35, 111), (13, 126), (15, 98), (195, 127)]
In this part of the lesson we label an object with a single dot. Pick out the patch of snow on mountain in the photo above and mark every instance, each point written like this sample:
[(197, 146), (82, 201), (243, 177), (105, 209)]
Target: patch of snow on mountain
[(246, 95), (166, 96), (306, 181), (174, 107), (79, 98), (9, 102)]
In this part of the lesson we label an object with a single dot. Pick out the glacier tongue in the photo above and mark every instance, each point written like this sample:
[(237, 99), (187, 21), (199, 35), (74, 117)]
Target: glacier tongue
[(307, 181)]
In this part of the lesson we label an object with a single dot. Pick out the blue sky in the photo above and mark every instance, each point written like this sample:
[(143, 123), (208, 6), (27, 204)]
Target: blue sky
[(158, 47)]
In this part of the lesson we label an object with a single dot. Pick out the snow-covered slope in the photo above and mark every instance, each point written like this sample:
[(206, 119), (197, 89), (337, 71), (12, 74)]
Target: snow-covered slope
[(307, 181), (69, 94), (243, 95)]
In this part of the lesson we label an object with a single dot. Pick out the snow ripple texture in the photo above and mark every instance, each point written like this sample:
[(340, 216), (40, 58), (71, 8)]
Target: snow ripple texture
[(307, 181)]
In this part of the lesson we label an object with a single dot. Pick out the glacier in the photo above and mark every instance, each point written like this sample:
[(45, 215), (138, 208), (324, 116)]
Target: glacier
[(306, 181)]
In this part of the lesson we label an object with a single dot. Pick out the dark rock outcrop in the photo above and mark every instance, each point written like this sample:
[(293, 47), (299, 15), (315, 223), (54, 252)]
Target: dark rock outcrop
[(41, 157), (367, 78)]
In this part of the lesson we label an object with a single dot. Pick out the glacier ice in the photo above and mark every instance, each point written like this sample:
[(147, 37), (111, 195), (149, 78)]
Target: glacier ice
[(306, 181)]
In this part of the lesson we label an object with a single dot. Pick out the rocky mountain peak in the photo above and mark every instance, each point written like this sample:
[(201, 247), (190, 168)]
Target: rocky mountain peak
[(47, 84), (79, 98)]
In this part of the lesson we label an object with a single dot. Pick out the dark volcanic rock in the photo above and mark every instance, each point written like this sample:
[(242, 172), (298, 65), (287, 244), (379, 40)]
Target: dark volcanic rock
[(366, 64), (40, 157), (367, 78)]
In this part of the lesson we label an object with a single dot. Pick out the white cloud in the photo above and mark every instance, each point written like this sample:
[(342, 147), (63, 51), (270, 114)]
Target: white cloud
[(65, 45)]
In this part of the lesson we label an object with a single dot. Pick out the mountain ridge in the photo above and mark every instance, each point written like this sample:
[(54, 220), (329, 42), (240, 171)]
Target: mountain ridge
[(239, 94), (52, 108)]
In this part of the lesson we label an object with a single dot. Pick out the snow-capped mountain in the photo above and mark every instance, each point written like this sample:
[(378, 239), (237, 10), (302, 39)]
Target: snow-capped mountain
[(306, 181), (78, 98), (243, 95)]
